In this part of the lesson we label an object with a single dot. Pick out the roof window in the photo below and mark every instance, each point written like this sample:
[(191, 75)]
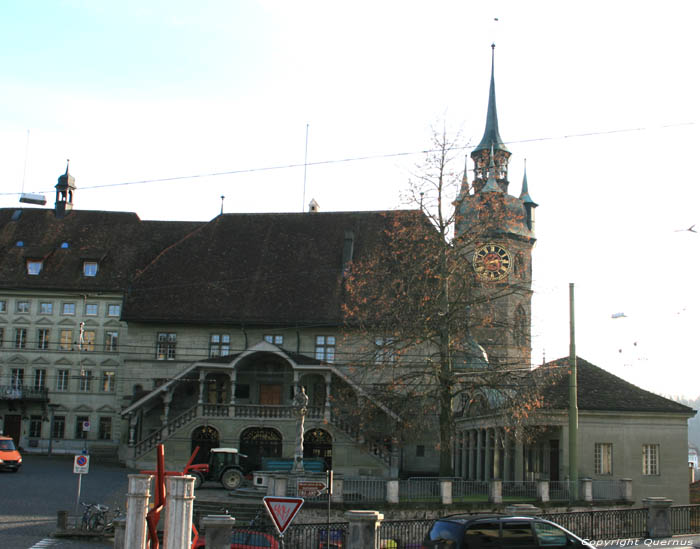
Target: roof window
[(34, 266), (20, 244), (89, 268), (65, 245)]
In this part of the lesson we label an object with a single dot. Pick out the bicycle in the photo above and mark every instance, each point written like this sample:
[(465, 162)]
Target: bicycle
[(96, 518)]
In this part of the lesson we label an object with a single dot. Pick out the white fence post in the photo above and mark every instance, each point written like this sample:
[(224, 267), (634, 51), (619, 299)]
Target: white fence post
[(363, 530), (392, 491), (217, 531), (137, 500), (179, 503), (446, 492)]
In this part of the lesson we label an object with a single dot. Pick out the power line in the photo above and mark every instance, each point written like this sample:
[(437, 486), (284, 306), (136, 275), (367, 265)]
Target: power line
[(361, 158)]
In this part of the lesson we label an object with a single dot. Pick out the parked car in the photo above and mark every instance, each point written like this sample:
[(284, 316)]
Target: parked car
[(247, 539), (10, 458), (498, 531)]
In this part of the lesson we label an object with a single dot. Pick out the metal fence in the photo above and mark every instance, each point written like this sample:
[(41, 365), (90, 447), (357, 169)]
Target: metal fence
[(364, 489), (403, 534), (420, 489), (685, 519), (599, 525), (559, 490), (470, 490), (519, 490)]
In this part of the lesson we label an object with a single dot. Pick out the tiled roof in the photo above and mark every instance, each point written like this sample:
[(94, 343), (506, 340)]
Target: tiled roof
[(118, 241), (257, 269), (598, 390)]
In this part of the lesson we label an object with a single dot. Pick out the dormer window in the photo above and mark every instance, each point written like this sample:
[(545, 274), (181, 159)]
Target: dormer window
[(19, 244), (34, 266), (89, 268), (65, 245)]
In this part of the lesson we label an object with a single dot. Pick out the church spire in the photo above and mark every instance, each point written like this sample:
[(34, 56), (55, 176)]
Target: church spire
[(528, 202), (492, 138), (491, 147)]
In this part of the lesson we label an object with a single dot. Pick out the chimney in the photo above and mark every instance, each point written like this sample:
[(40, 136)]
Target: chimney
[(313, 206)]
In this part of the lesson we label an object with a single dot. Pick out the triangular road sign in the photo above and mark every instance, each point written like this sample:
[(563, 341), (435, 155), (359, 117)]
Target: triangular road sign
[(282, 510)]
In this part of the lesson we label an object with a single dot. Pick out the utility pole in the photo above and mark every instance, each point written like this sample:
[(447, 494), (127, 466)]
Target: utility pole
[(573, 403)]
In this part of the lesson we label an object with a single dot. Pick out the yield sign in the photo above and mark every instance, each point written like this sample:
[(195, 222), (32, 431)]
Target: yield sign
[(282, 510)]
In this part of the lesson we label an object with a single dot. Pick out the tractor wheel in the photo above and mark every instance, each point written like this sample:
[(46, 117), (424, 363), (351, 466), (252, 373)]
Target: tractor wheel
[(231, 479), (197, 480)]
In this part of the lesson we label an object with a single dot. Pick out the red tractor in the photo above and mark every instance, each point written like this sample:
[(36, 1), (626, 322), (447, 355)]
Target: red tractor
[(224, 466)]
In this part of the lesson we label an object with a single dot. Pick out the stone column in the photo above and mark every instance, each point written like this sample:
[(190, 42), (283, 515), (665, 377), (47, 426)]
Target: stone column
[(586, 489), (167, 399), (137, 499), (338, 483), (119, 533), (392, 491), (133, 420), (234, 377), (479, 455), (496, 491), (446, 492), (327, 403), (217, 531), (507, 457), (658, 517), (202, 379), (363, 530), (519, 459), (488, 460), (497, 473), (627, 489), (179, 504), (472, 455), (465, 452)]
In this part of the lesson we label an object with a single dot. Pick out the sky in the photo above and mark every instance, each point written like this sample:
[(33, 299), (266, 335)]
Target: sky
[(163, 107)]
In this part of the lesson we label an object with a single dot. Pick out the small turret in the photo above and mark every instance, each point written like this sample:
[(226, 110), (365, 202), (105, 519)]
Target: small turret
[(528, 202), (64, 193)]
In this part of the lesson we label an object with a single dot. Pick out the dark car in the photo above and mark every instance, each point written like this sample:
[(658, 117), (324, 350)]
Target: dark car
[(498, 532)]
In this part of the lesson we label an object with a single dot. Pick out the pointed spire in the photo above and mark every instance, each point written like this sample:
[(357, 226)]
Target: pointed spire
[(524, 194), (492, 185), (464, 188), (491, 138)]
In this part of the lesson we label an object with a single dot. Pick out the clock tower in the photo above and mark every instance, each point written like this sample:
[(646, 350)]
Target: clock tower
[(496, 230)]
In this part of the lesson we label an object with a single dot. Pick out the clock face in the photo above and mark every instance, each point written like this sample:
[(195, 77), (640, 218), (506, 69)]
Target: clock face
[(492, 262)]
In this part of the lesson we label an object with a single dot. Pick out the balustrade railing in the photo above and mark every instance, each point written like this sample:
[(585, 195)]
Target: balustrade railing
[(23, 392)]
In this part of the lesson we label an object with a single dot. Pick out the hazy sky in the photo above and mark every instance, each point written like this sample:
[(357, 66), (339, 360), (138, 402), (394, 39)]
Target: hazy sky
[(600, 97)]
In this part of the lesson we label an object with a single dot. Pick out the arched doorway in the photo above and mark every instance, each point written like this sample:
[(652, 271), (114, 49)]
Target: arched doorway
[(206, 437), (257, 443), (319, 444)]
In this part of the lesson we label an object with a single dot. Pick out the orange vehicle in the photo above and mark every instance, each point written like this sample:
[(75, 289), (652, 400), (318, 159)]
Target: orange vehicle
[(10, 457)]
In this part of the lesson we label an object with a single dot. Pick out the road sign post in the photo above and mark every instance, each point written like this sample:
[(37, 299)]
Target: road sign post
[(81, 466)]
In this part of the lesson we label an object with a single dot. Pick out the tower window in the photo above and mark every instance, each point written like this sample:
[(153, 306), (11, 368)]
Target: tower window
[(90, 268)]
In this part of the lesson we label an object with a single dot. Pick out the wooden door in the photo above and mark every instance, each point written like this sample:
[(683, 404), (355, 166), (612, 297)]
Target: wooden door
[(270, 394)]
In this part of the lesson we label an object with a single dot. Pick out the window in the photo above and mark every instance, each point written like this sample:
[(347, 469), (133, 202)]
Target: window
[(89, 268), (91, 309), (46, 308), (650, 459), (42, 341), (550, 535), (34, 267), (385, 351), (80, 423), (87, 342), (66, 343), (85, 385), (22, 307), (276, 339), (39, 379), (3, 306), (603, 458), (20, 338), (165, 345), (105, 429), (420, 451), (111, 341), (35, 426), (114, 310), (62, 377), (17, 378), (108, 382), (68, 309), (59, 427), (517, 534), (325, 348), (219, 345)]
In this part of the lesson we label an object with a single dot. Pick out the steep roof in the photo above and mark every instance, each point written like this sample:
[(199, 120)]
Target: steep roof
[(118, 241), (598, 390), (258, 269)]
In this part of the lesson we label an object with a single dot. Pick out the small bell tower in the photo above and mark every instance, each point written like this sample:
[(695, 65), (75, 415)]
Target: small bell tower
[(65, 188)]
